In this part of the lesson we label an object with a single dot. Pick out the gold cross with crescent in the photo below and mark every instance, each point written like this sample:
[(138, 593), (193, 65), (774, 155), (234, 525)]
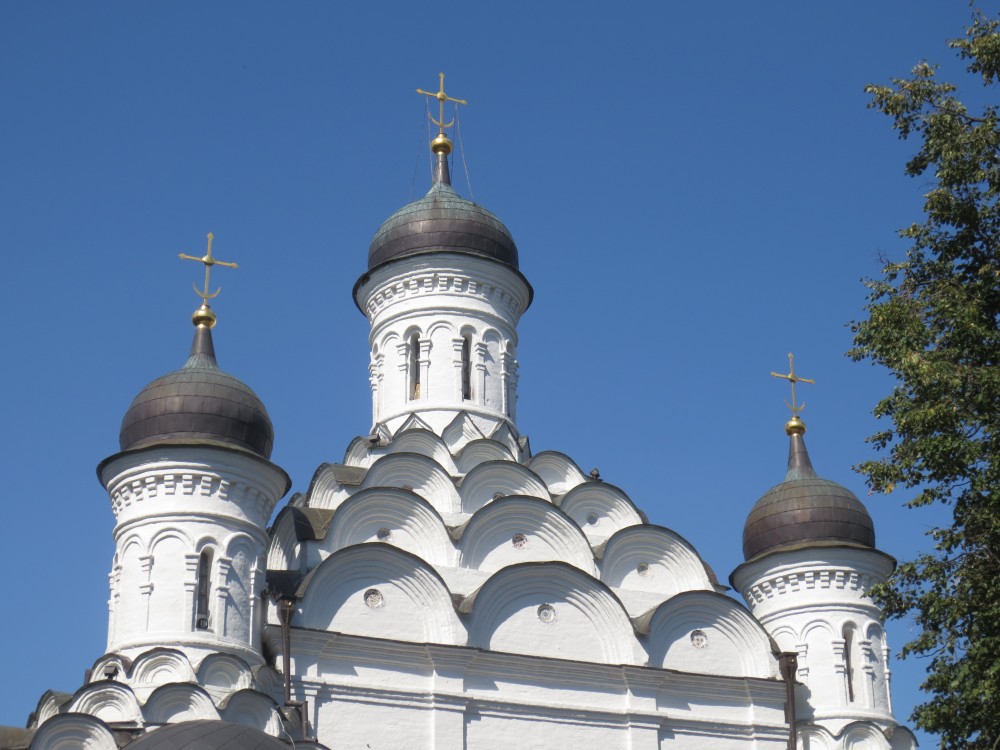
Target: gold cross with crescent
[(442, 98), (209, 261), (792, 378)]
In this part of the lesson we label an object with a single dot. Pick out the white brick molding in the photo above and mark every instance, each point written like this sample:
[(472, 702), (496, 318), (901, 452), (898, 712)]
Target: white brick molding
[(463, 283)]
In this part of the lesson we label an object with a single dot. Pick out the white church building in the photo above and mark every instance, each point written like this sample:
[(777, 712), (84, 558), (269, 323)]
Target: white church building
[(443, 587)]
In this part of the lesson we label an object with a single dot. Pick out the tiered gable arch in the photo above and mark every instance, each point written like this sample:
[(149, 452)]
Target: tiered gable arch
[(382, 592), (554, 610)]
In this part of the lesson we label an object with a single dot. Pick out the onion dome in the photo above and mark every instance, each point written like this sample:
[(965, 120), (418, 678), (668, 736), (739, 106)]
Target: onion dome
[(198, 403), (206, 734), (442, 221), (805, 510)]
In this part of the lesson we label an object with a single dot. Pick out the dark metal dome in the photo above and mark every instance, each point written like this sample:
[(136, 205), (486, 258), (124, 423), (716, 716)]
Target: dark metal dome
[(805, 510), (198, 402), (442, 221), (206, 734)]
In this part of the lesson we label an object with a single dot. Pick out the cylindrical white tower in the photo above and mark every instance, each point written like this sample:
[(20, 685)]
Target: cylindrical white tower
[(809, 545), (443, 294), (192, 491)]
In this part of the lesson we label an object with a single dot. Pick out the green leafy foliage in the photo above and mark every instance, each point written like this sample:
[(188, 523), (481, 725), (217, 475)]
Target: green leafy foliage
[(933, 322)]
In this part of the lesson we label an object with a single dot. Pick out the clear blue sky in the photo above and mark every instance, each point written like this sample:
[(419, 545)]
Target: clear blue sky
[(695, 190)]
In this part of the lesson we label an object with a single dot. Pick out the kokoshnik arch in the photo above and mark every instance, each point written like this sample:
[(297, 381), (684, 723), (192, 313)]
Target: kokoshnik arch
[(442, 586)]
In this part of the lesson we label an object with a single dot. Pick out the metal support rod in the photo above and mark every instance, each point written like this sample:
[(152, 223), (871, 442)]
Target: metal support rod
[(286, 607), (789, 663)]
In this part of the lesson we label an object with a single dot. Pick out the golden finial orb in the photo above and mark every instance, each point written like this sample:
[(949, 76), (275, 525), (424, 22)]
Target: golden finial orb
[(441, 144), (795, 426), (204, 316)]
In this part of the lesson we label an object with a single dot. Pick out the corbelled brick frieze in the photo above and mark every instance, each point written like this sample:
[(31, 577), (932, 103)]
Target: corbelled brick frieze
[(843, 579), (426, 282)]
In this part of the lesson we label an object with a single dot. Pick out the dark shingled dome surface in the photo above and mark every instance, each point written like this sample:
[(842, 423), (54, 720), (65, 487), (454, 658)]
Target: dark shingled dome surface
[(198, 402), (442, 221), (206, 734), (805, 509)]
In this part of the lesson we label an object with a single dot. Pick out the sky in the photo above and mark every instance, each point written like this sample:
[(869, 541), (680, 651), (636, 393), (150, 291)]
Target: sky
[(695, 190)]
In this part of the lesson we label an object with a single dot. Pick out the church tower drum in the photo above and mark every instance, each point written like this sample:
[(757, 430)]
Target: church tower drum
[(809, 546), (443, 295), (192, 491)]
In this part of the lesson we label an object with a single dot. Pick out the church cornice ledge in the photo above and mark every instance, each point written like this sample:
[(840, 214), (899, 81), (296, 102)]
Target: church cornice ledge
[(808, 574), (458, 662), (793, 582), (140, 486), (469, 279)]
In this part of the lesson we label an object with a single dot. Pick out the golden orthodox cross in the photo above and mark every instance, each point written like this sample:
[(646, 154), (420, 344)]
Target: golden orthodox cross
[(442, 98), (209, 261), (792, 378)]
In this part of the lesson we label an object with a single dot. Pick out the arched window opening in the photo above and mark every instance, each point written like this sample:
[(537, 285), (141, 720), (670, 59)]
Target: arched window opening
[(849, 661), (414, 367), (204, 589), (466, 368)]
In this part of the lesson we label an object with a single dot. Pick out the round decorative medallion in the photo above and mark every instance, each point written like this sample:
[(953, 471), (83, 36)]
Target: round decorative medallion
[(546, 613), (643, 569), (592, 519), (383, 535), (520, 541), (374, 599), (699, 639)]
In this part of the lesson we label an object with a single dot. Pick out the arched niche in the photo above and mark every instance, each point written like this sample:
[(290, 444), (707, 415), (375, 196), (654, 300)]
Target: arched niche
[(819, 671), (518, 529), (708, 633), (504, 435), (222, 675), (493, 479), (73, 732), (426, 443), (420, 475), (110, 701), (391, 516), (480, 451), (325, 490), (358, 453), (171, 704), (552, 610), (864, 735), (600, 509), (653, 559), (559, 472), (161, 666), (284, 550), (381, 592), (253, 709)]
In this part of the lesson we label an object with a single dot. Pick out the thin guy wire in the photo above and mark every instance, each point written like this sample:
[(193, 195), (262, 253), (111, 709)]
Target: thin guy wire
[(416, 163), (461, 147)]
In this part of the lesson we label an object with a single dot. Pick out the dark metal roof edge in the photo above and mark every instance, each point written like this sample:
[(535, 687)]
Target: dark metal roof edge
[(196, 444), (367, 274), (825, 544)]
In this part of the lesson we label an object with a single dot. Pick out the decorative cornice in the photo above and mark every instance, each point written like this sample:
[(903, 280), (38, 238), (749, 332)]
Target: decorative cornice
[(795, 581), (165, 487), (451, 282)]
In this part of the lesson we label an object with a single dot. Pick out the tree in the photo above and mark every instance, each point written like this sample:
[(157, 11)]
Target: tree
[(933, 322)]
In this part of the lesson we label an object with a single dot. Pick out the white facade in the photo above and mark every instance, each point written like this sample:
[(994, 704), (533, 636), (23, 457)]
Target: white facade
[(443, 339), (814, 602), (189, 549), (443, 588)]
